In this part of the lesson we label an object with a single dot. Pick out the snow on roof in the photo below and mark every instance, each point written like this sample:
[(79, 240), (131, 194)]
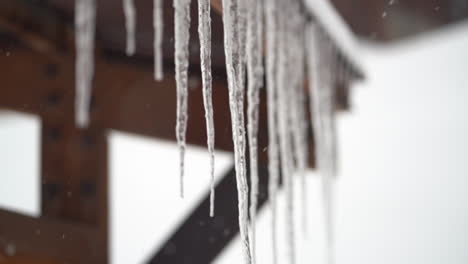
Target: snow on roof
[(337, 30)]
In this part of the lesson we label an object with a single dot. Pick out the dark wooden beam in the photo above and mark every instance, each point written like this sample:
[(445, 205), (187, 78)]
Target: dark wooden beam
[(48, 238), (201, 238)]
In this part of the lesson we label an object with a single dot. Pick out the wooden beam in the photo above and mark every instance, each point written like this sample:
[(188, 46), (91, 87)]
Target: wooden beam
[(50, 239)]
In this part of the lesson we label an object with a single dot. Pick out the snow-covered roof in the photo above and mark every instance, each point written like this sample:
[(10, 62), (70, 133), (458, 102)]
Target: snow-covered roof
[(337, 30)]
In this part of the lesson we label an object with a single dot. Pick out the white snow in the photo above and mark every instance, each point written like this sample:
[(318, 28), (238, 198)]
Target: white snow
[(336, 29)]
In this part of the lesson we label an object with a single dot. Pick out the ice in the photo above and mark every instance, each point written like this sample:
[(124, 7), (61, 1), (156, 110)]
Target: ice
[(236, 96), (255, 77), (204, 31), (130, 25), (158, 26), (285, 75), (270, 10), (242, 32), (285, 93), (298, 103), (85, 15), (182, 36), (321, 91)]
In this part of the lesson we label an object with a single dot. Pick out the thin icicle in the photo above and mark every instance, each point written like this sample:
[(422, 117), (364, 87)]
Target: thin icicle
[(85, 16), (272, 107), (182, 36), (285, 91), (242, 45), (259, 20), (322, 108), (298, 103), (204, 31), (242, 13), (233, 65), (158, 38), (327, 186), (255, 77), (329, 133), (130, 25)]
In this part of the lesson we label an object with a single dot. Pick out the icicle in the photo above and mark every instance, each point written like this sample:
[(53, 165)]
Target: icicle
[(329, 132), (322, 108), (242, 33), (255, 77), (233, 65), (270, 10), (130, 25), (284, 97), (182, 36), (298, 103), (259, 20), (85, 14), (158, 37), (204, 31)]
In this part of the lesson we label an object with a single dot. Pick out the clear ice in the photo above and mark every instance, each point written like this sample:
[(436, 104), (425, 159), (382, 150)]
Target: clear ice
[(204, 31), (182, 36), (85, 18), (234, 66), (270, 10), (130, 25), (321, 91), (158, 26), (255, 80)]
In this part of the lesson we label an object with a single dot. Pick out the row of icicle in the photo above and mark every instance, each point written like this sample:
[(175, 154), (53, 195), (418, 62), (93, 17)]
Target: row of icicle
[(296, 49)]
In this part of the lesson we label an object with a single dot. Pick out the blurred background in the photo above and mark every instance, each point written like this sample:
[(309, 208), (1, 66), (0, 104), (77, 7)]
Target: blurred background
[(109, 193)]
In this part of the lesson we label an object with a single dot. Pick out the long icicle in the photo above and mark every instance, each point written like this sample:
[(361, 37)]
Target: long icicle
[(158, 26), (322, 101), (329, 132), (241, 32), (255, 77), (298, 103), (130, 25), (285, 91), (85, 17), (204, 31), (233, 61), (272, 108), (182, 36), (241, 77)]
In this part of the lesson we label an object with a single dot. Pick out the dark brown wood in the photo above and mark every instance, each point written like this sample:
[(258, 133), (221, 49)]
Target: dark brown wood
[(48, 238), (217, 5), (39, 79)]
